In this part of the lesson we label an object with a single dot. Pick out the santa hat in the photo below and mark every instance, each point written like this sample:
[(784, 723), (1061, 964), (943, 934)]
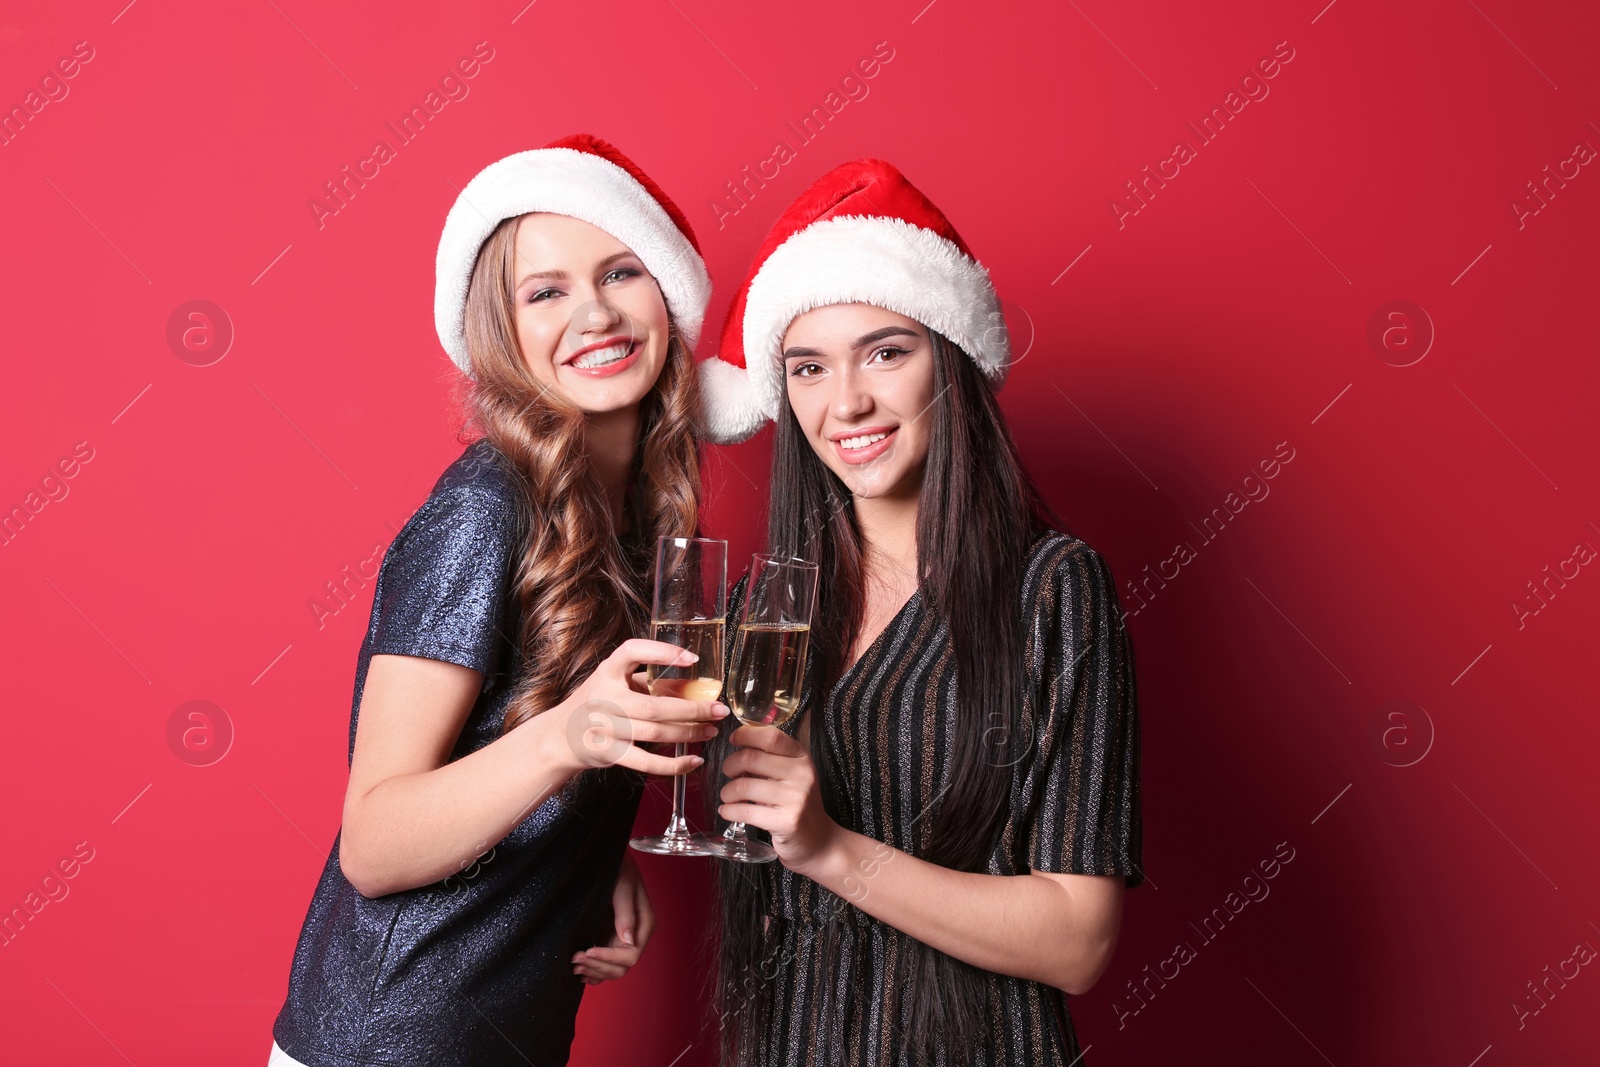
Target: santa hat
[(861, 234), (588, 179)]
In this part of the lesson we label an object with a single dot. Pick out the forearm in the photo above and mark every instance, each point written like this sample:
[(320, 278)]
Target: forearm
[(1026, 926), (415, 829)]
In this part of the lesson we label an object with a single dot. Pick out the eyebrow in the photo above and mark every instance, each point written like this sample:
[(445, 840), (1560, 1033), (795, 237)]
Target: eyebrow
[(861, 342), (561, 274)]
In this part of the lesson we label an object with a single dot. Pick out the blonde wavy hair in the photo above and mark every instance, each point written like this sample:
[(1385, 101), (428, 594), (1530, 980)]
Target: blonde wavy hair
[(582, 585)]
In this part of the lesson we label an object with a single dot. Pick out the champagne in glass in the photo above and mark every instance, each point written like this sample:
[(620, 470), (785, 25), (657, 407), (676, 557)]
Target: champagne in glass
[(769, 663), (690, 610), (701, 680)]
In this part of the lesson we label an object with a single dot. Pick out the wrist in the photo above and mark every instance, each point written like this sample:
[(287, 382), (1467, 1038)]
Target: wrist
[(850, 864), (552, 745), (831, 861)]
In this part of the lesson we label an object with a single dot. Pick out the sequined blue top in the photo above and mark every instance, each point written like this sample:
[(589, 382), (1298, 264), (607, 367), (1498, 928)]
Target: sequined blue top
[(474, 969)]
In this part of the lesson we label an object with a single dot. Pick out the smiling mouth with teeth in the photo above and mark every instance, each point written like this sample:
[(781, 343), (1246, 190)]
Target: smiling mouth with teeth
[(862, 441), (602, 356)]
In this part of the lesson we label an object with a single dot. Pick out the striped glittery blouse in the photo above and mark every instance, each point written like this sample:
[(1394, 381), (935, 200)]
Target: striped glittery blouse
[(838, 977)]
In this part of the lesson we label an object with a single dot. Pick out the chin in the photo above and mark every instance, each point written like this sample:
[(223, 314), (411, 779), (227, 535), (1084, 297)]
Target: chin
[(869, 492), (894, 474), (594, 401), (874, 482)]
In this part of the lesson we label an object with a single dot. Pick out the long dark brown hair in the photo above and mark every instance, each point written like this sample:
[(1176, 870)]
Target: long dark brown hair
[(581, 583), (978, 512)]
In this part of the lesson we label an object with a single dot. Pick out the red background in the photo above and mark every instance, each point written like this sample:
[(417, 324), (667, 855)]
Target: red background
[(1230, 314)]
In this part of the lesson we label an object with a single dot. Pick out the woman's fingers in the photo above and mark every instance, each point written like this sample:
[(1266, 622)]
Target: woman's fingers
[(775, 807), (749, 761), (639, 650), (674, 709), (623, 956), (763, 791), (602, 734), (594, 974), (758, 815), (601, 964), (644, 917), (766, 739), (641, 732), (624, 909), (647, 762)]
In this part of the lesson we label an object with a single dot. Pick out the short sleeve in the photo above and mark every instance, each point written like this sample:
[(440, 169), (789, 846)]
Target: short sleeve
[(1085, 814), (445, 583)]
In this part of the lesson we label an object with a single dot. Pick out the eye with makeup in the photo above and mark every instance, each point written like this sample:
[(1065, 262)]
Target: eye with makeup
[(615, 274), (810, 368)]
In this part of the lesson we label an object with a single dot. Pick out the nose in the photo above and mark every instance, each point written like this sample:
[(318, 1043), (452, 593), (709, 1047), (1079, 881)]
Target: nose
[(850, 400), (596, 314)]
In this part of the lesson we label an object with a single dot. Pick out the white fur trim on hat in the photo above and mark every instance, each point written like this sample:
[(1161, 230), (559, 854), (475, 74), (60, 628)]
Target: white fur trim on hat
[(565, 181), (729, 409), (878, 260)]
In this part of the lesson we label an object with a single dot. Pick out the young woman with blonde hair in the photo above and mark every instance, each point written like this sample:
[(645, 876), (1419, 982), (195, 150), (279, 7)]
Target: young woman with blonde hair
[(480, 877)]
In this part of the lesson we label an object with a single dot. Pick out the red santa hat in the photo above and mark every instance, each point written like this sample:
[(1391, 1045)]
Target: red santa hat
[(588, 179), (861, 234)]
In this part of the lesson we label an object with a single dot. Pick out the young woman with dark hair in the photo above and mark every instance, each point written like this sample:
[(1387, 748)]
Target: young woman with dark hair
[(955, 806), (480, 878)]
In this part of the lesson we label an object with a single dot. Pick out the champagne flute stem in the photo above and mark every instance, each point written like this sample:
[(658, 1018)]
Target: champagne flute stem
[(680, 789)]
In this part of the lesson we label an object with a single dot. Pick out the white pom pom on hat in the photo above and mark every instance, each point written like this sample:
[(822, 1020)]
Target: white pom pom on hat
[(861, 234), (585, 178)]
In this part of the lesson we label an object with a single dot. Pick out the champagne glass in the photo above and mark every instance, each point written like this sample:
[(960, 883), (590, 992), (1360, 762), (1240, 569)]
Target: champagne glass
[(769, 660), (690, 610)]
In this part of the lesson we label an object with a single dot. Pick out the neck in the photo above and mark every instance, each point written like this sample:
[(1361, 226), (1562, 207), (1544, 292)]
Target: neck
[(612, 439), (889, 538)]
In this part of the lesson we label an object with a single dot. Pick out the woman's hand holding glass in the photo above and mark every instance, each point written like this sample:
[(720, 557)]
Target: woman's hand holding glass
[(689, 608), (612, 714), (774, 787), (764, 683)]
